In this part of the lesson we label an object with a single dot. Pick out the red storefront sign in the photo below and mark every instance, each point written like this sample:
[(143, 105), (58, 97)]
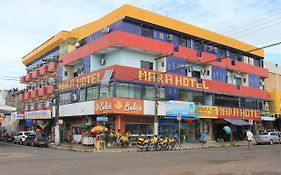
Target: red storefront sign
[(247, 114), (119, 106)]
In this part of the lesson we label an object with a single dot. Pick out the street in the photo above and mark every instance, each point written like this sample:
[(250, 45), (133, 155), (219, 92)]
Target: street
[(23, 160)]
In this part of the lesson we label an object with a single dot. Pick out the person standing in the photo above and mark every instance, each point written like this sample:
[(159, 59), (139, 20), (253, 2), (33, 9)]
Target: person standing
[(250, 138)]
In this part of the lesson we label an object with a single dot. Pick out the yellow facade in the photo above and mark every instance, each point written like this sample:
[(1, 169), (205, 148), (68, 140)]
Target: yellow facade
[(276, 97), (143, 15)]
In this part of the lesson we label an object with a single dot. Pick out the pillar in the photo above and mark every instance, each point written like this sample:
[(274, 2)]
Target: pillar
[(120, 123)]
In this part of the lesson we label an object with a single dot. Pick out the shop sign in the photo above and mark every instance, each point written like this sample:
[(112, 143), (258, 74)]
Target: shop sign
[(187, 109), (208, 111), (119, 106), (267, 116), (246, 114), (102, 119), (171, 79), (43, 114)]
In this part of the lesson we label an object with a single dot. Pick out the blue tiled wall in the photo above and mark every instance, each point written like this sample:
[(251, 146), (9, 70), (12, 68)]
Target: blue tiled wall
[(86, 64), (254, 80), (218, 73), (173, 63), (171, 93)]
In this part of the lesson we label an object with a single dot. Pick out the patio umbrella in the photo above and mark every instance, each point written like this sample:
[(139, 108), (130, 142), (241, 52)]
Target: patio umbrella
[(98, 129)]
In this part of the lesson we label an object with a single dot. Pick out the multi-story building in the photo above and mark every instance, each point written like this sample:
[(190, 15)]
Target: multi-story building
[(132, 67), (273, 86)]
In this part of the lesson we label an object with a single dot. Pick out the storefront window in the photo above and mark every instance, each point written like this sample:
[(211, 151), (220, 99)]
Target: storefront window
[(227, 101), (140, 129), (92, 93), (82, 95)]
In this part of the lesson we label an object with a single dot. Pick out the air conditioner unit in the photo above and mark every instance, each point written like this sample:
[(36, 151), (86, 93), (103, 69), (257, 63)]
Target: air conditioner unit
[(35, 85), (37, 65), (77, 44), (102, 60), (51, 80), (170, 37), (105, 30), (203, 71), (50, 100)]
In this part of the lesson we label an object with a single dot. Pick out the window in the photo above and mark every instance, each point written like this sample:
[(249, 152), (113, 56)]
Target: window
[(228, 101), (65, 98), (196, 74), (238, 81), (147, 32), (106, 92), (82, 96), (248, 103), (183, 42), (222, 53), (256, 62), (147, 65), (125, 90), (149, 93), (92, 93)]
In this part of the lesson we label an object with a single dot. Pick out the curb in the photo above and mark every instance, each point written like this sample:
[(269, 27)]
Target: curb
[(52, 146)]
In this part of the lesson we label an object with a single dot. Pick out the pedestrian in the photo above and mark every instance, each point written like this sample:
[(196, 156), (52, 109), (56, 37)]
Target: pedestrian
[(250, 138)]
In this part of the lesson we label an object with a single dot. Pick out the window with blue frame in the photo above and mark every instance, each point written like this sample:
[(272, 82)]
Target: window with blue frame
[(92, 93), (182, 41), (146, 32)]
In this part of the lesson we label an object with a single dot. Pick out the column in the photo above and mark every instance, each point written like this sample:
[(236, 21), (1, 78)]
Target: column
[(120, 123)]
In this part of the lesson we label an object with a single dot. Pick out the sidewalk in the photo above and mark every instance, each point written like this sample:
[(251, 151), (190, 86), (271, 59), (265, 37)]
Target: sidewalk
[(184, 146)]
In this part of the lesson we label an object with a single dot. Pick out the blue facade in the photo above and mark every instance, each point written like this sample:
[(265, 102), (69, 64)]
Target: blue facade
[(219, 73), (171, 93), (254, 80), (173, 64), (87, 64)]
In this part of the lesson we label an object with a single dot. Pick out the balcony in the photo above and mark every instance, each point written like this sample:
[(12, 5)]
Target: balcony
[(42, 91), (27, 95), (28, 77), (22, 79), (50, 89), (21, 97), (44, 70), (52, 67), (34, 93), (35, 74)]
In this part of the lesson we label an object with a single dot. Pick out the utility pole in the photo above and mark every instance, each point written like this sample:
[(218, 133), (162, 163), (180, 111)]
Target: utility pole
[(157, 94), (57, 105)]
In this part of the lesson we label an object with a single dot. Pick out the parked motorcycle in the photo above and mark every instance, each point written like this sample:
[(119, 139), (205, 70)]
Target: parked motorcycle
[(144, 144)]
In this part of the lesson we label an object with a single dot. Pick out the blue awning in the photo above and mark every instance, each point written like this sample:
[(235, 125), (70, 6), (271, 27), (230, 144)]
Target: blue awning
[(237, 122)]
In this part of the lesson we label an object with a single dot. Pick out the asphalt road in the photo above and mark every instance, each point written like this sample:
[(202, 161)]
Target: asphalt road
[(23, 160)]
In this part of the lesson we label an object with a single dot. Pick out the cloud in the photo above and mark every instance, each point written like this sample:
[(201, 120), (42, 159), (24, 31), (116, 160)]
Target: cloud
[(26, 24)]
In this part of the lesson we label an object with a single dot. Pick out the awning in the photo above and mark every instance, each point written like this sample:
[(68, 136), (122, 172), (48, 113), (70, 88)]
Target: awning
[(237, 122)]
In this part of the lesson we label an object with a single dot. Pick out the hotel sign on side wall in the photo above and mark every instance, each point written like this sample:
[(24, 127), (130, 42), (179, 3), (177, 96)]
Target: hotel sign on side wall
[(84, 80), (119, 106)]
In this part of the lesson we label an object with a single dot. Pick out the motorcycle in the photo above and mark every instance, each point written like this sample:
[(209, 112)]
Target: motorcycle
[(144, 144)]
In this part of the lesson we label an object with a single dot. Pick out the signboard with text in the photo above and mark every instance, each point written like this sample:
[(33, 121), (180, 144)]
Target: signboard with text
[(208, 111), (43, 114), (119, 106), (173, 108)]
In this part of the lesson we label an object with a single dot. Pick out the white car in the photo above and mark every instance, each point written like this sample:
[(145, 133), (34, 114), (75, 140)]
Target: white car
[(21, 136), (268, 137)]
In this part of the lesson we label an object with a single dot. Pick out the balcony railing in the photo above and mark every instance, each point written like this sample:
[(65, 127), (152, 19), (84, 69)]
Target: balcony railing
[(34, 93), (22, 79), (21, 97), (52, 67), (35, 74), (28, 77), (50, 89), (27, 95), (42, 91)]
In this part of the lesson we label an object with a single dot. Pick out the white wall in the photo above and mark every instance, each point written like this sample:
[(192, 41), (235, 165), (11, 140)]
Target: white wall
[(123, 57), (76, 109), (149, 107), (273, 68), (3, 95)]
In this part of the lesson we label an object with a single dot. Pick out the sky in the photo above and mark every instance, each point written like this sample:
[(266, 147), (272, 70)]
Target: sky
[(25, 24)]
